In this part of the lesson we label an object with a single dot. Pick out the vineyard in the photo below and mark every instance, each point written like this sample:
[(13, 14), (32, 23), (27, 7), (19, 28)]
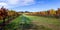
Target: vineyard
[(49, 13), (43, 20)]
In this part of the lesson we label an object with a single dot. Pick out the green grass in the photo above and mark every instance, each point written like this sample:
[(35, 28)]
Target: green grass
[(45, 20), (1, 21), (15, 24)]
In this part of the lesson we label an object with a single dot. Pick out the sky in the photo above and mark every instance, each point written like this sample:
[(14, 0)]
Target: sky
[(30, 5)]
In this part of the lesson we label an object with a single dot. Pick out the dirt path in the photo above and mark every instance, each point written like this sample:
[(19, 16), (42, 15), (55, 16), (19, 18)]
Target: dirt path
[(52, 26)]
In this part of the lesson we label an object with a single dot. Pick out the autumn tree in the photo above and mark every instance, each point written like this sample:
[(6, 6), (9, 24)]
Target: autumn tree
[(51, 12), (3, 14), (58, 13)]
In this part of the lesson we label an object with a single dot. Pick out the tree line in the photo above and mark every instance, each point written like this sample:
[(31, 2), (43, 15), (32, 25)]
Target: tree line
[(51, 13)]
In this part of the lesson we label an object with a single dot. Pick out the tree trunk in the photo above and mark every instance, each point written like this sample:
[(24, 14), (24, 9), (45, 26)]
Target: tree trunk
[(3, 24)]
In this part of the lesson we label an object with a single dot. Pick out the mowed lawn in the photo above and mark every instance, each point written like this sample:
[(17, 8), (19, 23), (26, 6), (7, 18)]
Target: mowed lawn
[(15, 24), (12, 25), (52, 23)]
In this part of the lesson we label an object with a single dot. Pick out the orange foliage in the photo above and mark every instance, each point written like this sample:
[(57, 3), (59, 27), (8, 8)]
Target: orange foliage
[(51, 12)]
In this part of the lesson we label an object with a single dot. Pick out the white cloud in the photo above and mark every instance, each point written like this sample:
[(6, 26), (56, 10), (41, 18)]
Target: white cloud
[(26, 2), (13, 2), (3, 4), (20, 2), (16, 3)]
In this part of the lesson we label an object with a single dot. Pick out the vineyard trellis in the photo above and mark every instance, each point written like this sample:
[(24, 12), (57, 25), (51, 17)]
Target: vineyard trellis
[(6, 14)]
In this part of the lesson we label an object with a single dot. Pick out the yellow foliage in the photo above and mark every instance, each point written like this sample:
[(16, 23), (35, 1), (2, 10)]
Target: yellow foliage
[(52, 12)]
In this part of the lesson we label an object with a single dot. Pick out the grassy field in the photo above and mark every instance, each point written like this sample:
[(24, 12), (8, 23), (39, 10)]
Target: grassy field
[(52, 23), (42, 23), (15, 24), (45, 20)]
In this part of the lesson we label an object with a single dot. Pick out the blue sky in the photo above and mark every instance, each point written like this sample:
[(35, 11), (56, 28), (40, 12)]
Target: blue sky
[(30, 5)]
